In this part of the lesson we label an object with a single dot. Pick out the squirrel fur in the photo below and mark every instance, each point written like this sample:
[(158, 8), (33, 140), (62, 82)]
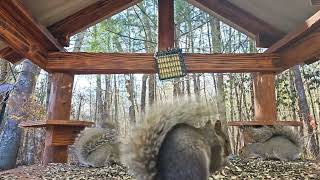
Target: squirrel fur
[(177, 140), (98, 146), (276, 142)]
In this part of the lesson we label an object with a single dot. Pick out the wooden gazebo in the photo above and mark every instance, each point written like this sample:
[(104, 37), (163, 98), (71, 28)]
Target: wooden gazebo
[(40, 29)]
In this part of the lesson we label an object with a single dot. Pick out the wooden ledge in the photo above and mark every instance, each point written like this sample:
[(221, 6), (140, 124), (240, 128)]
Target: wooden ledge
[(73, 123), (265, 123)]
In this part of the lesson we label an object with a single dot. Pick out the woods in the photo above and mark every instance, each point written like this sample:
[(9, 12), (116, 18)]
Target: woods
[(124, 98)]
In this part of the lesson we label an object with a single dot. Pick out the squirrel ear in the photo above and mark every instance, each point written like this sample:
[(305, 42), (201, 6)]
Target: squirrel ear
[(218, 125)]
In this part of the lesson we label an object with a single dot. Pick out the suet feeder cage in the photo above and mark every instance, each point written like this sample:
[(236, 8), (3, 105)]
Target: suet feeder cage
[(170, 64)]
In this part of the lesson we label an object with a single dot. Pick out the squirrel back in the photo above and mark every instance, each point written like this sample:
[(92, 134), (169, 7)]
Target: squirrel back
[(97, 146), (176, 140), (266, 132), (276, 142)]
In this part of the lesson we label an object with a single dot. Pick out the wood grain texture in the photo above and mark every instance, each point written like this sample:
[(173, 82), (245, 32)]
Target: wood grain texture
[(23, 34), (118, 63), (73, 123), (59, 108), (264, 33), (60, 153), (87, 17), (60, 96), (166, 28), (264, 97), (10, 55), (305, 50), (264, 123), (63, 135), (59, 134)]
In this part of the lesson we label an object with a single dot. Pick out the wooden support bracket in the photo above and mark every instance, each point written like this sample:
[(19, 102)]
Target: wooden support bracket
[(59, 135)]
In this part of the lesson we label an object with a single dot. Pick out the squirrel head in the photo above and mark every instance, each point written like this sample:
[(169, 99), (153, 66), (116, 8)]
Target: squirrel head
[(219, 142), (223, 137)]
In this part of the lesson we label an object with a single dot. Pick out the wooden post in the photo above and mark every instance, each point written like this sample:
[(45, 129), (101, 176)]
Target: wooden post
[(58, 109), (166, 28), (264, 97), (264, 101)]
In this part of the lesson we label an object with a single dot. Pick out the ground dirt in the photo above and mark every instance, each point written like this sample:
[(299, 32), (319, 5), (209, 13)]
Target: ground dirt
[(236, 169)]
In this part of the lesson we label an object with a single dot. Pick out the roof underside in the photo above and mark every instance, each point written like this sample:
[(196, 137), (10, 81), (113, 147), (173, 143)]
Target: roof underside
[(47, 12), (284, 15)]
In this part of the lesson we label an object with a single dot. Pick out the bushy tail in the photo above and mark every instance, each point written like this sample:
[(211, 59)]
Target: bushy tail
[(90, 139), (140, 150), (266, 132), (288, 133)]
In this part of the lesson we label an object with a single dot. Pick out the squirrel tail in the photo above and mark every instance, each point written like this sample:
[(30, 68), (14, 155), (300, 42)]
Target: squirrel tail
[(140, 151), (89, 140), (266, 132), (288, 133)]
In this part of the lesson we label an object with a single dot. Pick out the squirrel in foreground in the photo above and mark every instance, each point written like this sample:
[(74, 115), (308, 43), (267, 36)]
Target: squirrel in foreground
[(177, 140), (97, 147), (275, 142)]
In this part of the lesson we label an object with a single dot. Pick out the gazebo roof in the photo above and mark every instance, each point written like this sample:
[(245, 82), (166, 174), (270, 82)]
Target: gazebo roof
[(54, 21), (284, 15)]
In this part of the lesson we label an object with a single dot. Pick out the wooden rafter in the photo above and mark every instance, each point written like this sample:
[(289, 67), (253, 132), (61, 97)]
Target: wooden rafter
[(264, 33), (315, 2), (91, 63), (23, 34), (301, 45), (10, 55), (87, 17), (166, 28)]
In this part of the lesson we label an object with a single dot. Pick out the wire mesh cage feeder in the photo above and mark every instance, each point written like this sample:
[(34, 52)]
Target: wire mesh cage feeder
[(170, 64)]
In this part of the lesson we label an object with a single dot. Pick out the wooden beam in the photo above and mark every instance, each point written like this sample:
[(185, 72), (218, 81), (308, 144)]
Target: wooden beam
[(87, 17), (306, 50), (300, 45), (91, 63), (23, 34), (264, 33), (265, 123), (166, 28), (10, 55)]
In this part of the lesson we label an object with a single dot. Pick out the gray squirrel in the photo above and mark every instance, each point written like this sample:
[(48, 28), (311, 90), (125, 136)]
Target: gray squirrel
[(275, 142), (176, 140), (98, 147)]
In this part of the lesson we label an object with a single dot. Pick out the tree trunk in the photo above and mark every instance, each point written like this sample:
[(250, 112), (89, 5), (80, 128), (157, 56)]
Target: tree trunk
[(11, 134), (107, 101), (221, 97), (79, 106), (293, 95), (196, 88), (143, 92), (116, 92), (304, 110), (100, 110), (149, 47), (151, 89), (188, 85), (216, 48), (131, 98)]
